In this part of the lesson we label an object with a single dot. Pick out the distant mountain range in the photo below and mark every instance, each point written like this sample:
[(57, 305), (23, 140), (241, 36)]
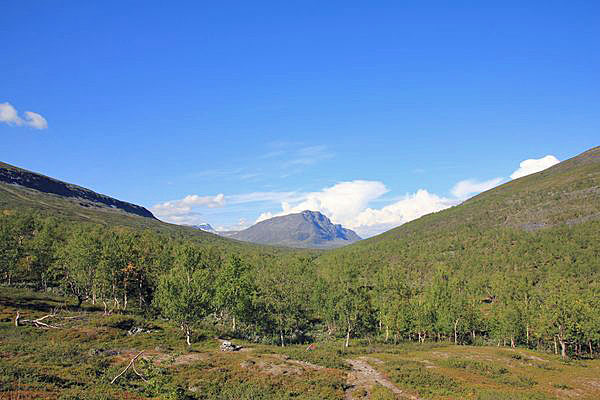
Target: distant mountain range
[(21, 189), (567, 193), (308, 229), (204, 227)]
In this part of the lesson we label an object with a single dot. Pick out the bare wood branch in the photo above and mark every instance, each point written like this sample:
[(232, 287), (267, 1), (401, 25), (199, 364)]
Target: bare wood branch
[(44, 317), (138, 374), (36, 322), (40, 324), (128, 366)]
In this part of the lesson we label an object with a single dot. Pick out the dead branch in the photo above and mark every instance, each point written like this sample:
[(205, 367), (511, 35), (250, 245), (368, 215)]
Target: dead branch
[(138, 374), (38, 322), (128, 366)]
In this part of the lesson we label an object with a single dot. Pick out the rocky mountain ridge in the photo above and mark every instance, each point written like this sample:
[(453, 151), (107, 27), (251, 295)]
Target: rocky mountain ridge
[(308, 229)]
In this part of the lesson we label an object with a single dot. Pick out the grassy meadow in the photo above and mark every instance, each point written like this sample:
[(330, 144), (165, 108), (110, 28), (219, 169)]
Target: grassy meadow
[(79, 357)]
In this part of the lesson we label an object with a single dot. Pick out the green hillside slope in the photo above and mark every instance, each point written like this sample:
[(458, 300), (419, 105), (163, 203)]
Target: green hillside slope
[(565, 194), (518, 262), (23, 191)]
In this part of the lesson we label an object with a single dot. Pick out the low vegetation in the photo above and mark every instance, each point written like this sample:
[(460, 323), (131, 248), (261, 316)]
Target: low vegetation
[(81, 356)]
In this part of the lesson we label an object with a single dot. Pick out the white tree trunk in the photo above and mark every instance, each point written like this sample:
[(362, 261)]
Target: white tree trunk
[(187, 335), (563, 344), (456, 332)]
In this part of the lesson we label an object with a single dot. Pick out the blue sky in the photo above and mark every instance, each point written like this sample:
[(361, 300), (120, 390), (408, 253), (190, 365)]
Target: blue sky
[(371, 113)]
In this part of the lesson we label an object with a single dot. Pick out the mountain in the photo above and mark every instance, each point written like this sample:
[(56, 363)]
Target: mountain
[(204, 227), (23, 190), (308, 229), (12, 175)]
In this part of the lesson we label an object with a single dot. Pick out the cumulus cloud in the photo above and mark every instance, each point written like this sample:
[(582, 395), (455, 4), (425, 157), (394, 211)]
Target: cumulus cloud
[(372, 221), (10, 116), (339, 202), (35, 120), (468, 187), (184, 211), (346, 203), (534, 165)]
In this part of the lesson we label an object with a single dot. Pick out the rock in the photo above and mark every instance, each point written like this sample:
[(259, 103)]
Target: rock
[(136, 329), (228, 346)]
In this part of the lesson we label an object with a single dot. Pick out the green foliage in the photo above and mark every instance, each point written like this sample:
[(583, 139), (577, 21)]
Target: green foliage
[(233, 289), (184, 293), (484, 272)]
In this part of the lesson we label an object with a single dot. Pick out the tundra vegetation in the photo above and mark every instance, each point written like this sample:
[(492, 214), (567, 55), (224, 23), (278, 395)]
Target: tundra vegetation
[(535, 294)]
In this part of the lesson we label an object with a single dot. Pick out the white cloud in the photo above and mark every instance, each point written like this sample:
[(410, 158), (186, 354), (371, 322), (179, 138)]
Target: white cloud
[(412, 206), (183, 211), (35, 120), (10, 116), (534, 165), (339, 202), (208, 201), (468, 187), (345, 203)]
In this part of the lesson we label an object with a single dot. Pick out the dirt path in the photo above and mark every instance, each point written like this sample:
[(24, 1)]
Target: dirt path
[(363, 376)]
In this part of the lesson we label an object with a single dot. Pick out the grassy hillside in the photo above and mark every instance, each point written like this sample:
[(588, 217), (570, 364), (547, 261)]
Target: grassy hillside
[(12, 175), (537, 205), (69, 202), (567, 193)]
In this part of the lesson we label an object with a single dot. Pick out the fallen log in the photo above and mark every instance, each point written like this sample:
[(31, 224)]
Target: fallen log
[(38, 322)]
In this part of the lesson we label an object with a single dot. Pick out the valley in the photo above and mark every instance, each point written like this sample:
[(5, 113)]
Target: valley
[(496, 298)]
